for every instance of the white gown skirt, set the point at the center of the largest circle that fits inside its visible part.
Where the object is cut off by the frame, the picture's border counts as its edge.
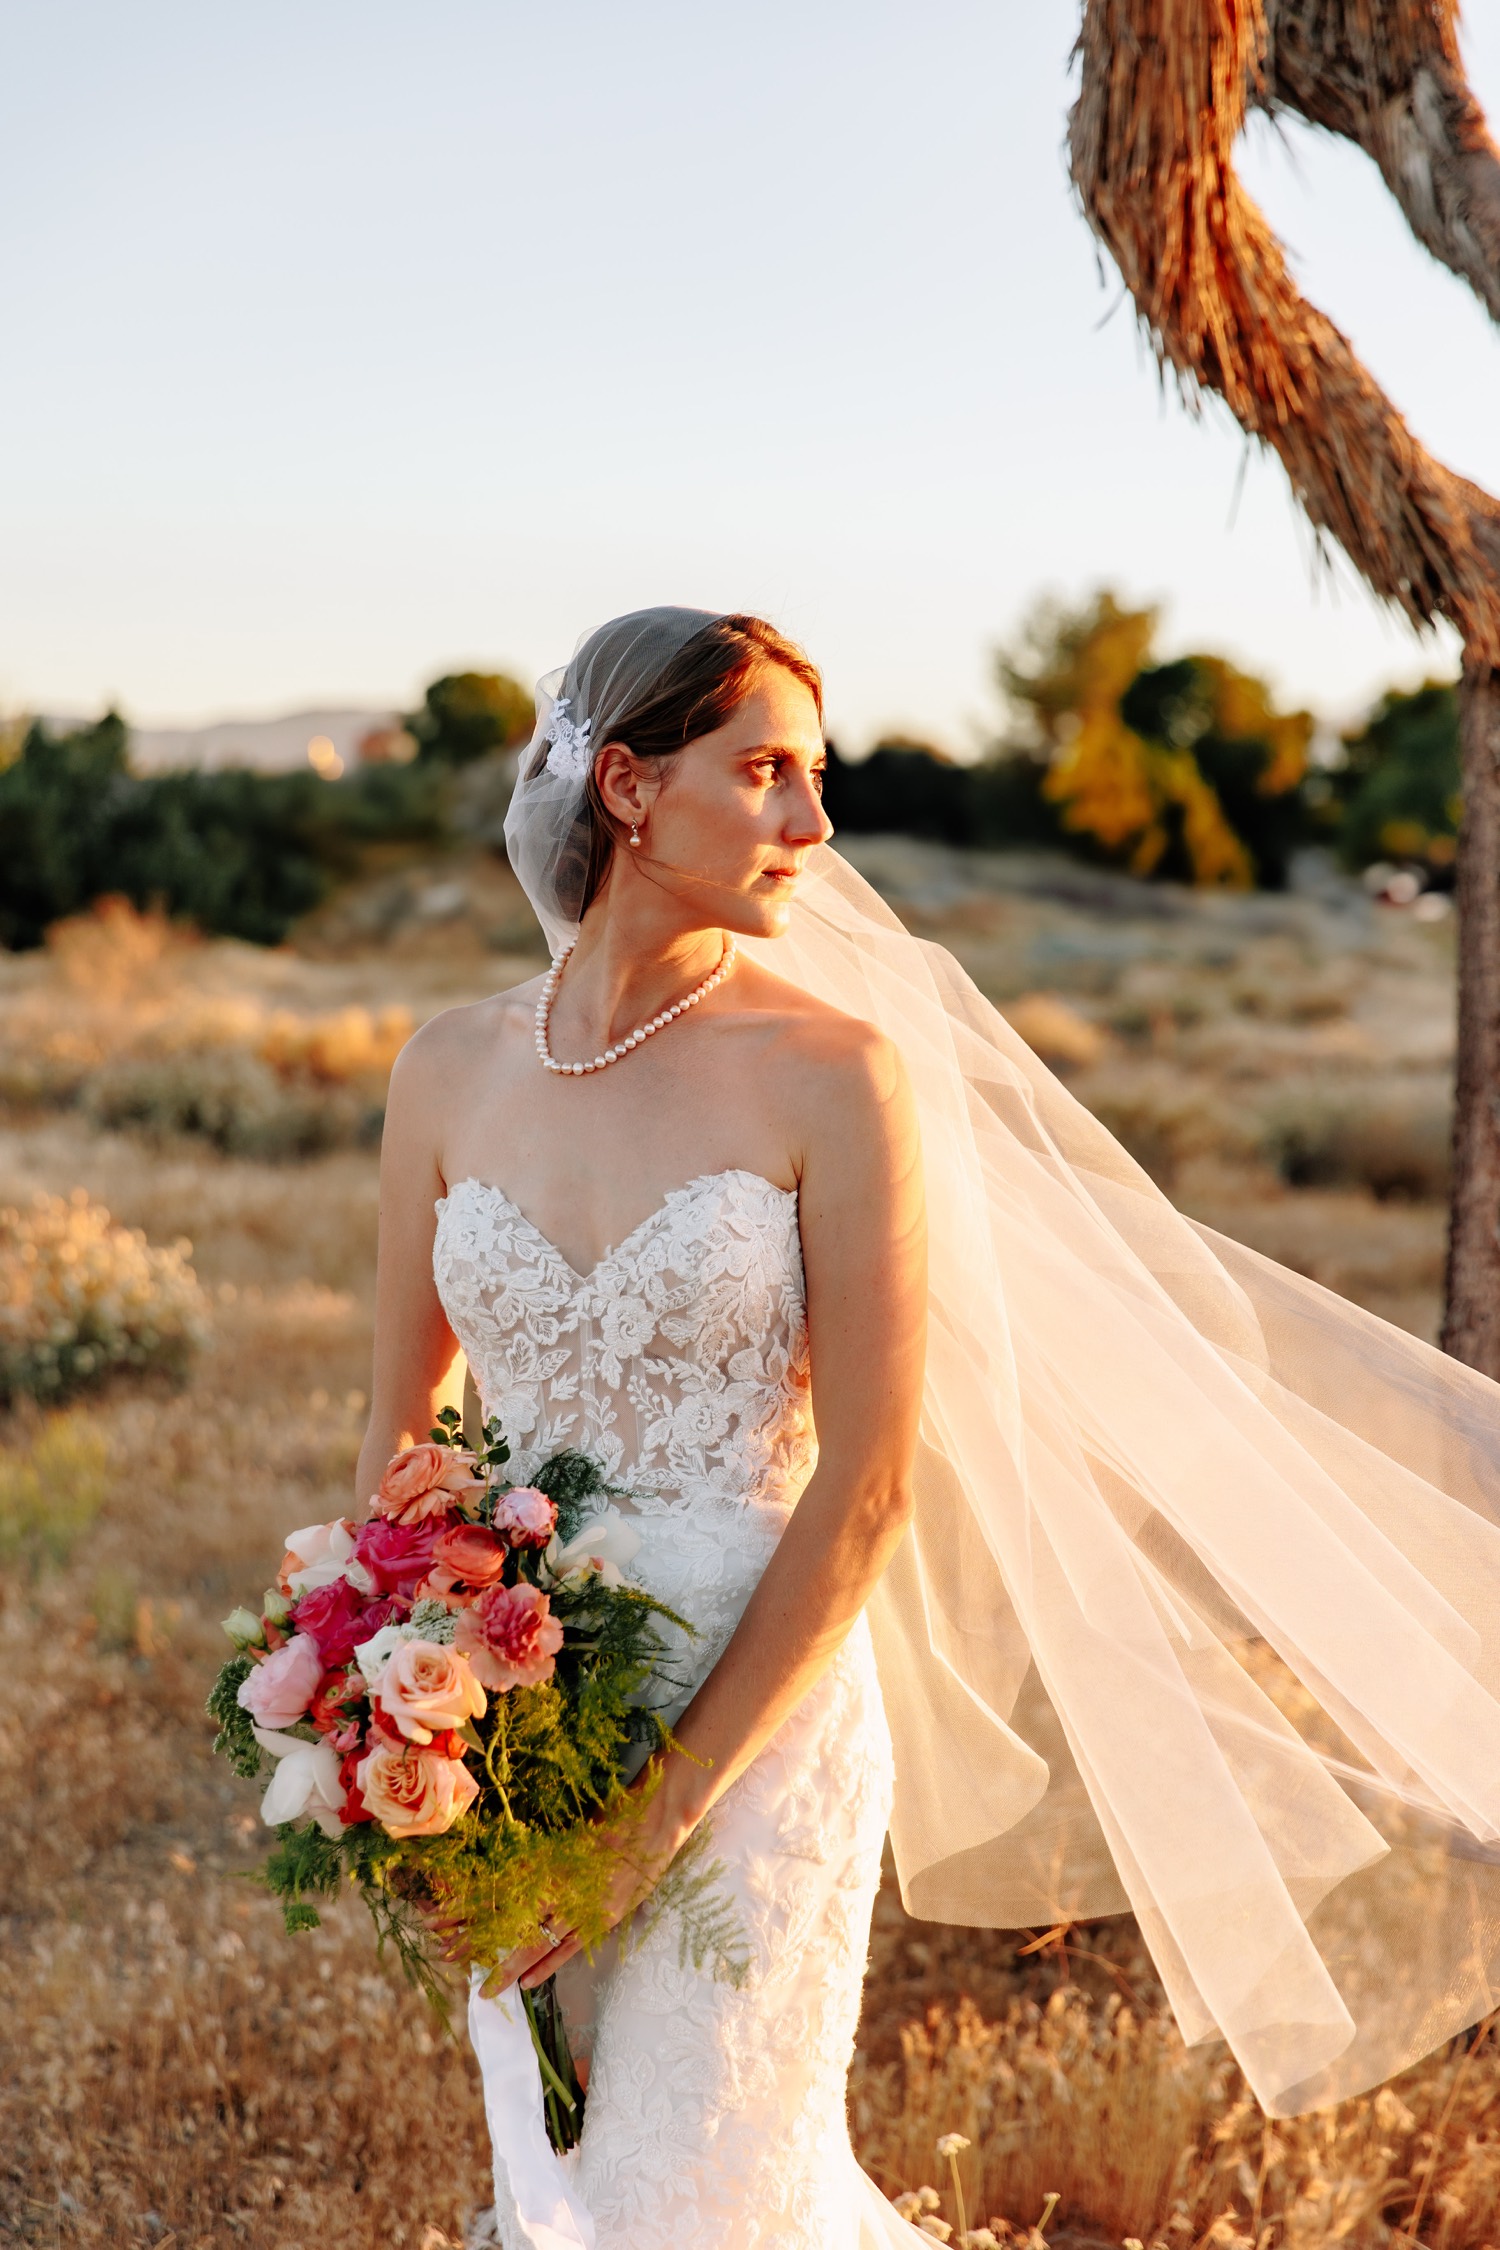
(715, 2117)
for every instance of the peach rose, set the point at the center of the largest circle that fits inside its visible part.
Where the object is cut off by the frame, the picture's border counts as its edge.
(283, 1684)
(424, 1689)
(412, 1792)
(425, 1480)
(468, 1554)
(510, 1636)
(525, 1516)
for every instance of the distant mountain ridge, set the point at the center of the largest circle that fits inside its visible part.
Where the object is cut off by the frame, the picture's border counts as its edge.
(275, 745)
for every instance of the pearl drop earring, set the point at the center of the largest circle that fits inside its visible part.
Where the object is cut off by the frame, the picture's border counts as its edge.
(635, 837)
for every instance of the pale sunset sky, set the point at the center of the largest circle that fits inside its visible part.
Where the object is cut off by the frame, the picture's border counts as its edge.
(352, 342)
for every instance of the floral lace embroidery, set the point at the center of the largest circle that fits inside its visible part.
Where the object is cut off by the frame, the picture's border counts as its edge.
(680, 1361)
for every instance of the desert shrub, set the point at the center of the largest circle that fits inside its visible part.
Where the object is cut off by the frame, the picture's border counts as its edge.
(1327, 1135)
(233, 1099)
(1056, 1033)
(1103, 2112)
(123, 1030)
(1163, 1119)
(82, 1298)
(51, 1488)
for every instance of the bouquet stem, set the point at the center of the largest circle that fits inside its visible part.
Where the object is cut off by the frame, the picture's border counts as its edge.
(562, 2094)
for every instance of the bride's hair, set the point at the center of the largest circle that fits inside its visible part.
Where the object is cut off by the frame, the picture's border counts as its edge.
(696, 691)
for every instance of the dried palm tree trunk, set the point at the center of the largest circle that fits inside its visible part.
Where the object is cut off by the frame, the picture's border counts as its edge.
(1165, 88)
(1390, 79)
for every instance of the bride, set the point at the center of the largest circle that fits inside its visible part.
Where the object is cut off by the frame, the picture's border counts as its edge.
(1124, 1570)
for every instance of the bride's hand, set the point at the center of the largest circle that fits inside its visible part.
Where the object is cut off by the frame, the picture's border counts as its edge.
(646, 1850)
(450, 1930)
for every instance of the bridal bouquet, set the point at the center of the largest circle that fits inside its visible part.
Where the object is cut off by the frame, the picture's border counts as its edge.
(449, 1698)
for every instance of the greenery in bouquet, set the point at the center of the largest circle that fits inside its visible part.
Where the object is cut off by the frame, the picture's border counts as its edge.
(453, 1697)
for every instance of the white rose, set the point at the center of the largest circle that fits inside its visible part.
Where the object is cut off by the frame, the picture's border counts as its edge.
(316, 1555)
(306, 1780)
(597, 1549)
(373, 1655)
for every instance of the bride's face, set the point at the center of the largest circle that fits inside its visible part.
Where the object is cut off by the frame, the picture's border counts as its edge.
(730, 819)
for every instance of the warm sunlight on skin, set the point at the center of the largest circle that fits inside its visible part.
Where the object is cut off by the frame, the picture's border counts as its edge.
(725, 825)
(761, 1078)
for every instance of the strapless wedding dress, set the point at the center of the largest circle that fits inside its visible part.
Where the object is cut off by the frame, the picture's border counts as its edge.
(715, 2117)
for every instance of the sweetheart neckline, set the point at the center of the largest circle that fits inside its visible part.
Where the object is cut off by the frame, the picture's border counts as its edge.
(699, 1179)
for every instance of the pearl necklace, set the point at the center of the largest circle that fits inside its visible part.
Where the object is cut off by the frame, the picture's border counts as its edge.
(634, 1038)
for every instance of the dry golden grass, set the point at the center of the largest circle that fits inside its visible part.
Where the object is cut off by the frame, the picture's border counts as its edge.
(179, 2072)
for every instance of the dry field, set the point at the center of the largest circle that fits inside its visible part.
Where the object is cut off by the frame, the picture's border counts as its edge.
(176, 2071)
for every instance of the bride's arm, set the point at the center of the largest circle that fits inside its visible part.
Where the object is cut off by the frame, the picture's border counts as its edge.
(414, 1346)
(864, 1250)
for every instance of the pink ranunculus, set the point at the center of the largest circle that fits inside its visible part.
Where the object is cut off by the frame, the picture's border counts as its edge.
(510, 1636)
(425, 1689)
(424, 1481)
(412, 1791)
(282, 1685)
(468, 1554)
(525, 1516)
(398, 1556)
(329, 1613)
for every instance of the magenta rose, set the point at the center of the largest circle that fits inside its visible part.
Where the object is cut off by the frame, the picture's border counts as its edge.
(510, 1636)
(525, 1516)
(281, 1687)
(389, 1610)
(330, 1613)
(398, 1556)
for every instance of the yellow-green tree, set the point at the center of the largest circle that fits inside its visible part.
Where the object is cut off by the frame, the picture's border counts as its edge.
(1185, 768)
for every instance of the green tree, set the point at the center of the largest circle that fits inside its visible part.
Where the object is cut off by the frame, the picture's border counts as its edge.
(57, 799)
(1400, 789)
(466, 715)
(239, 853)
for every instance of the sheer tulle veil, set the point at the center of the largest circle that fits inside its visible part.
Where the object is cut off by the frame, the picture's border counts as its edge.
(1199, 1615)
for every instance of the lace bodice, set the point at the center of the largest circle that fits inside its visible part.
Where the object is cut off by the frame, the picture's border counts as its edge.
(679, 1361)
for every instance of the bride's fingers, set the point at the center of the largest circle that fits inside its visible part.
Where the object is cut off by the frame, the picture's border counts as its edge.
(517, 1969)
(550, 1963)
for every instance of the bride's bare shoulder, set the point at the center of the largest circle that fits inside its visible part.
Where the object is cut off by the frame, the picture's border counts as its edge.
(472, 1029)
(845, 1057)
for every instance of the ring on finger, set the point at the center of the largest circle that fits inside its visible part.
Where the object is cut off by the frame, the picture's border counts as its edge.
(552, 1936)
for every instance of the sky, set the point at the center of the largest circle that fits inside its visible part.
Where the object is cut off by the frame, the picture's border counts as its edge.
(352, 342)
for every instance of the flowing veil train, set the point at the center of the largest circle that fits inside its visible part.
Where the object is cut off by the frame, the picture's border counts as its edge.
(1200, 1611)
(1199, 1614)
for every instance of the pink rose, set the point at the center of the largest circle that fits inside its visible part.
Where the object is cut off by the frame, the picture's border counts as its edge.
(425, 1480)
(426, 1689)
(398, 1556)
(510, 1637)
(525, 1516)
(468, 1554)
(282, 1685)
(412, 1792)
